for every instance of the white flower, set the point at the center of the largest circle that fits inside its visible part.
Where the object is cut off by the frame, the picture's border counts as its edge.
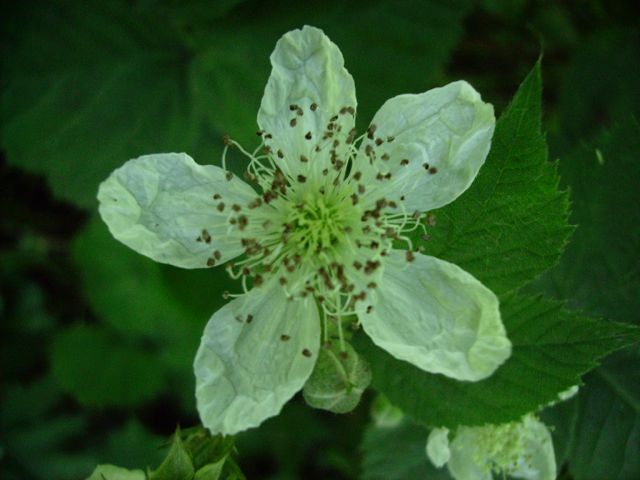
(320, 239)
(522, 449)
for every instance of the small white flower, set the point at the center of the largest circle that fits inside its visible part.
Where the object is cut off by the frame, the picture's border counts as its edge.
(321, 238)
(522, 449)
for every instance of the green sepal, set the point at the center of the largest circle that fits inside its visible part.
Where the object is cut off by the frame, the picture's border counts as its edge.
(338, 379)
(178, 464)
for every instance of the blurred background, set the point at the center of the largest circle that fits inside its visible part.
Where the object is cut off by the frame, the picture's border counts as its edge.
(97, 342)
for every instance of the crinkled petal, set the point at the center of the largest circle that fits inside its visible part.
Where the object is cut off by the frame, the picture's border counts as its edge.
(539, 461)
(438, 449)
(464, 463)
(438, 317)
(162, 206)
(433, 144)
(256, 353)
(308, 104)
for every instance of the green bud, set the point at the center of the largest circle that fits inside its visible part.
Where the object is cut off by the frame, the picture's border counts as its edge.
(212, 471)
(384, 414)
(338, 379)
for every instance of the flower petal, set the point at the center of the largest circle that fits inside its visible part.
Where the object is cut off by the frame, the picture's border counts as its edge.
(256, 353)
(162, 206)
(438, 317)
(308, 87)
(438, 449)
(539, 462)
(465, 462)
(433, 144)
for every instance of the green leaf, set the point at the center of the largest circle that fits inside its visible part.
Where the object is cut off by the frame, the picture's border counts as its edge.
(177, 465)
(552, 348)
(211, 471)
(606, 434)
(99, 370)
(600, 272)
(511, 225)
(397, 453)
(92, 85)
(338, 379)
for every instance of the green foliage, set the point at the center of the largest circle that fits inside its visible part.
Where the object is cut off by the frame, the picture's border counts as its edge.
(511, 225)
(102, 370)
(338, 379)
(599, 433)
(551, 349)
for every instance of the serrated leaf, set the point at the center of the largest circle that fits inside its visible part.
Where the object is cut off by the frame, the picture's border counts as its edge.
(552, 348)
(397, 453)
(100, 370)
(511, 225)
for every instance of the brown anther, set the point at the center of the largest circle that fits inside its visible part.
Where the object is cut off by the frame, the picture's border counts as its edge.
(228, 176)
(216, 196)
(370, 309)
(390, 139)
(361, 189)
(284, 337)
(371, 285)
(268, 136)
(280, 154)
(282, 281)
(220, 207)
(235, 207)
(293, 122)
(211, 262)
(217, 255)
(308, 136)
(357, 176)
(433, 170)
(306, 352)
(314, 106)
(379, 141)
(303, 159)
(302, 178)
(354, 199)
(226, 139)
(404, 162)
(249, 318)
(370, 131)
(293, 107)
(259, 133)
(410, 256)
(385, 157)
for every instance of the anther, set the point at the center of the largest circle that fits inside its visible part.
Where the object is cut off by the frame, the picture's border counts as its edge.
(220, 207)
(284, 337)
(302, 178)
(433, 170)
(404, 162)
(293, 122)
(226, 139)
(306, 352)
(314, 106)
(228, 176)
(308, 136)
(216, 196)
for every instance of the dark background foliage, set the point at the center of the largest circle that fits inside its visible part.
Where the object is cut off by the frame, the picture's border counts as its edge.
(96, 341)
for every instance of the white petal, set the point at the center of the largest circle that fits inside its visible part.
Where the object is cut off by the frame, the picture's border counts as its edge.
(438, 446)
(444, 134)
(160, 204)
(247, 370)
(540, 460)
(438, 317)
(465, 463)
(308, 72)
